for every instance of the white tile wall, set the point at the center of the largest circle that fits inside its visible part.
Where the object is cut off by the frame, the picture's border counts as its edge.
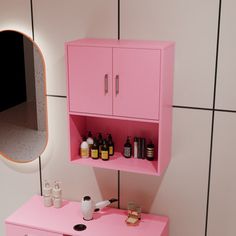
(181, 193)
(59, 21)
(18, 181)
(55, 23)
(192, 25)
(222, 210)
(226, 82)
(77, 181)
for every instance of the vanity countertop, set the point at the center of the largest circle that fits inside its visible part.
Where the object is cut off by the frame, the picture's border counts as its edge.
(34, 215)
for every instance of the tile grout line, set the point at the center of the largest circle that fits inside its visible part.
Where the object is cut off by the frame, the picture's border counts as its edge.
(40, 176)
(32, 18)
(57, 96)
(213, 121)
(118, 172)
(204, 109)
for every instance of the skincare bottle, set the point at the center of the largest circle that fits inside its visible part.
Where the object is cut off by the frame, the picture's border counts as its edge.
(139, 147)
(150, 151)
(110, 145)
(127, 148)
(100, 143)
(135, 147)
(84, 148)
(105, 151)
(94, 150)
(143, 148)
(56, 193)
(90, 141)
(47, 191)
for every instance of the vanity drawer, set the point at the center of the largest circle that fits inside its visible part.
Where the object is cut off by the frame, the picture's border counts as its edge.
(15, 230)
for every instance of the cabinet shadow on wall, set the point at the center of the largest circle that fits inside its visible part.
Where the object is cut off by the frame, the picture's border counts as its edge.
(139, 188)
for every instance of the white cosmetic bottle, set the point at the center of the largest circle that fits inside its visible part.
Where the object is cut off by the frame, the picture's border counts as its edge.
(56, 193)
(84, 148)
(47, 191)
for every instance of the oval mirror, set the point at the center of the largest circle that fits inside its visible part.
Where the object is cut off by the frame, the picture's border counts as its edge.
(23, 113)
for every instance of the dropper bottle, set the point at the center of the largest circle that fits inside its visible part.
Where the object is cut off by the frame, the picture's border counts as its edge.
(127, 148)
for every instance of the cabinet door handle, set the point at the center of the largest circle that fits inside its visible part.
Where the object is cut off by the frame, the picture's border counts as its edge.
(117, 84)
(106, 84)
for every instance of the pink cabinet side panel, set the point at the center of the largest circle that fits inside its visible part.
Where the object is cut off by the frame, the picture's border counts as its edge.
(136, 75)
(90, 79)
(166, 230)
(165, 129)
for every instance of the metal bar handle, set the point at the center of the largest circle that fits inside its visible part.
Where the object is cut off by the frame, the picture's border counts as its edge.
(106, 84)
(117, 85)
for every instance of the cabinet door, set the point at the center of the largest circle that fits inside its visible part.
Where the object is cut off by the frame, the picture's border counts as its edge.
(90, 79)
(15, 230)
(136, 74)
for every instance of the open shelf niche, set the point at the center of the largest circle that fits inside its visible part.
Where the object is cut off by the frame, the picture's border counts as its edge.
(119, 129)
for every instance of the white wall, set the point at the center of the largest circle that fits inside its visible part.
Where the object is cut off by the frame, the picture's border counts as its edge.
(181, 193)
(18, 182)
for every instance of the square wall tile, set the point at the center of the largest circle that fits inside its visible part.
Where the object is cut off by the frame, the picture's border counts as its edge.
(56, 22)
(16, 15)
(222, 208)
(226, 82)
(181, 193)
(19, 182)
(193, 26)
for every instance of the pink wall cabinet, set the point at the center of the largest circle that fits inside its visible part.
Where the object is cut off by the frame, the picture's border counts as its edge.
(33, 219)
(122, 87)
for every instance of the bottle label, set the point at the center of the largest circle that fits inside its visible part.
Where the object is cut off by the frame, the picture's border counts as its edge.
(94, 153)
(105, 155)
(84, 152)
(127, 151)
(111, 150)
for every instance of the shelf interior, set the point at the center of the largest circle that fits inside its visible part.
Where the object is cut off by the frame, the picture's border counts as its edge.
(119, 129)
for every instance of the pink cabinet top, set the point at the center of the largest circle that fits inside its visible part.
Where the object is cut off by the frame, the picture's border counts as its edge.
(109, 221)
(122, 43)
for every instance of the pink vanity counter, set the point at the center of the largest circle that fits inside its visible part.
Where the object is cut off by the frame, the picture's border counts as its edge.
(33, 219)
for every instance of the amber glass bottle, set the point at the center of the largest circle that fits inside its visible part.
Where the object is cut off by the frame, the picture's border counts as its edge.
(110, 145)
(127, 148)
(100, 143)
(105, 151)
(95, 149)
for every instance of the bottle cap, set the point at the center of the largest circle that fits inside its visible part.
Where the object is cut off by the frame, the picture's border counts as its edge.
(109, 137)
(150, 145)
(99, 136)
